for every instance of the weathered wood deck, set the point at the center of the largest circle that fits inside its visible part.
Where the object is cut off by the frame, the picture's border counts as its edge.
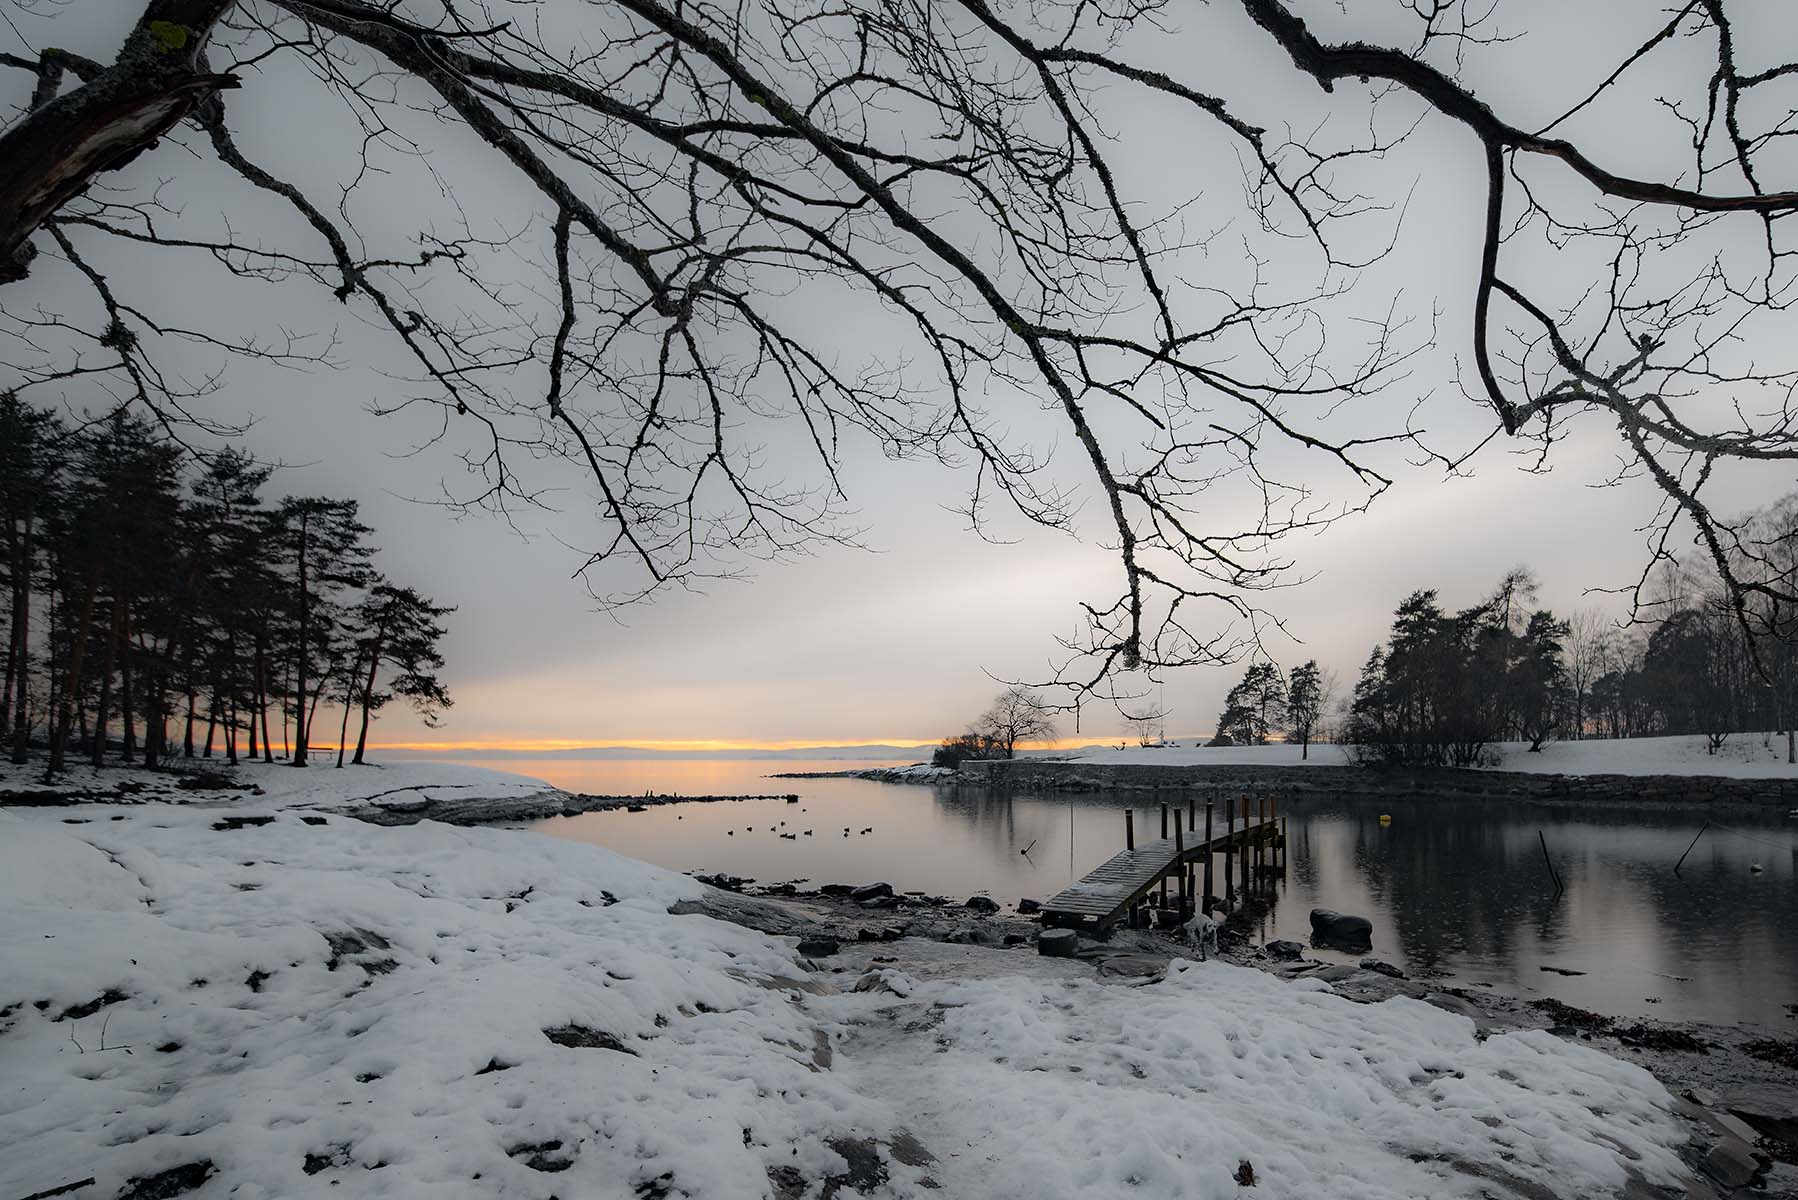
(1107, 894)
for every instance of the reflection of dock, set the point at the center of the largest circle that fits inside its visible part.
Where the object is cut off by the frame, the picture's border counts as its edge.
(1122, 887)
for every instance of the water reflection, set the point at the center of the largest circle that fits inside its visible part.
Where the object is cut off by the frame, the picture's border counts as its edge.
(1456, 886)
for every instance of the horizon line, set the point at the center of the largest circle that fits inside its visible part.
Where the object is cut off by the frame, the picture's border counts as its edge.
(708, 745)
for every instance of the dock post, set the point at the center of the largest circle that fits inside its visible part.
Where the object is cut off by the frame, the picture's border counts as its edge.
(1229, 851)
(1180, 860)
(1192, 813)
(1284, 843)
(1261, 844)
(1129, 829)
(1275, 840)
(1205, 896)
(1164, 820)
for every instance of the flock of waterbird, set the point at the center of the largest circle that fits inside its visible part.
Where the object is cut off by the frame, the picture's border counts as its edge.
(793, 836)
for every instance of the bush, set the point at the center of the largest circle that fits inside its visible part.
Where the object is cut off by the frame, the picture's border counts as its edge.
(959, 749)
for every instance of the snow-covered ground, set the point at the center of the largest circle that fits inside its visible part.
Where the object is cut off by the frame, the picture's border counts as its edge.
(1744, 756)
(315, 1006)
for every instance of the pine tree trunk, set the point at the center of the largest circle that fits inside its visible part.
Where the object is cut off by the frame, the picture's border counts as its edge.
(255, 694)
(301, 651)
(349, 693)
(127, 731)
(103, 711)
(368, 691)
(64, 716)
(187, 742)
(21, 630)
(231, 733)
(212, 722)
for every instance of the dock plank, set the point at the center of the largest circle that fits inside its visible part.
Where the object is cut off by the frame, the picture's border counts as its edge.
(1106, 892)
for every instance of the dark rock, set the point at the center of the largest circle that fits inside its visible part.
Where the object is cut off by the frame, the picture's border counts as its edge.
(886, 901)
(1644, 1036)
(1015, 939)
(968, 935)
(1245, 1174)
(1382, 968)
(313, 820)
(1338, 929)
(208, 781)
(581, 1037)
(1058, 943)
(1732, 1163)
(542, 1156)
(818, 947)
(1455, 1004)
(892, 933)
(835, 889)
(1026, 907)
(1284, 950)
(865, 1172)
(241, 822)
(81, 1012)
(983, 904)
(166, 1184)
(864, 934)
(870, 891)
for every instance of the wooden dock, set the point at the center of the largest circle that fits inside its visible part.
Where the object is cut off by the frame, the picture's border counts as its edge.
(1123, 886)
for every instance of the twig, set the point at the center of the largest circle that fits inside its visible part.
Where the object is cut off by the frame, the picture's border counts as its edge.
(1682, 858)
(1551, 866)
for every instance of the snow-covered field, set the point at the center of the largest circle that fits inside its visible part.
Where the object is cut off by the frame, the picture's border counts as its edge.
(1744, 756)
(315, 1006)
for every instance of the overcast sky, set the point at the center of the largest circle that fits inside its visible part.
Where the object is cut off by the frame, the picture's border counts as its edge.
(899, 642)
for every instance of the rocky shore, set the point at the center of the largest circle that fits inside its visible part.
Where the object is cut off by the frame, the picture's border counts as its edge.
(1661, 790)
(1737, 1087)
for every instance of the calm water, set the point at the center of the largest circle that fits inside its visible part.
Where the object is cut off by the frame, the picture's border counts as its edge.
(1454, 886)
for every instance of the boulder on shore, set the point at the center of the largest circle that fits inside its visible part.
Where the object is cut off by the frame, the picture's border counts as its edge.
(1058, 943)
(1340, 929)
(1284, 950)
(871, 891)
(983, 904)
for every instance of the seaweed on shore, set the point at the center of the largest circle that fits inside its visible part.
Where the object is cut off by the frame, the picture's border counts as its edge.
(1779, 1051)
(1577, 1018)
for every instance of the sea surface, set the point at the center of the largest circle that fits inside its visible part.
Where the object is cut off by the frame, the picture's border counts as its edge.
(1450, 885)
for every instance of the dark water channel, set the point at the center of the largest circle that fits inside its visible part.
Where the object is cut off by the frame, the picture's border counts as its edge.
(1452, 886)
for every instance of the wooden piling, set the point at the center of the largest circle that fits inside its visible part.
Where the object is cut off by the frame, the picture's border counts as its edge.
(1261, 842)
(1205, 895)
(1192, 814)
(1164, 820)
(1129, 829)
(1229, 851)
(1180, 858)
(1285, 843)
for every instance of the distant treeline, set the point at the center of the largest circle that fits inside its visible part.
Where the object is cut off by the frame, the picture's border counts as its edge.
(1445, 685)
(153, 597)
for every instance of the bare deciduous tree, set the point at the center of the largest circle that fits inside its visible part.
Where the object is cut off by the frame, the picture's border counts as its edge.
(670, 186)
(1017, 715)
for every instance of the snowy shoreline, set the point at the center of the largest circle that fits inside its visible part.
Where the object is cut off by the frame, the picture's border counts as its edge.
(215, 992)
